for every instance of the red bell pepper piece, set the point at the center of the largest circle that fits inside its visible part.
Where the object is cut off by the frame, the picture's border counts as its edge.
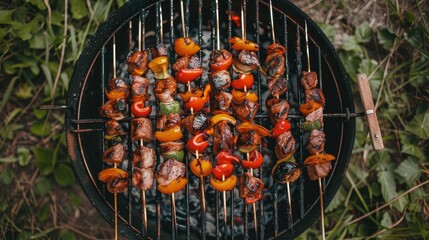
(198, 143)
(224, 157)
(196, 103)
(282, 126)
(243, 80)
(255, 160)
(188, 75)
(223, 170)
(252, 199)
(139, 110)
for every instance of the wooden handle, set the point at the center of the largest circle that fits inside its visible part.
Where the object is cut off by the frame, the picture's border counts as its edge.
(371, 114)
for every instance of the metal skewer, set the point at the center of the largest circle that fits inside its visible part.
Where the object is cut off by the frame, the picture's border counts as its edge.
(115, 195)
(144, 212)
(322, 214)
(255, 220)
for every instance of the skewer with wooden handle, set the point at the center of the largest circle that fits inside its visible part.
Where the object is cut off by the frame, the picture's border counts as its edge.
(370, 112)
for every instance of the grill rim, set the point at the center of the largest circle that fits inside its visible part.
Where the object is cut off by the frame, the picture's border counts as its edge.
(120, 17)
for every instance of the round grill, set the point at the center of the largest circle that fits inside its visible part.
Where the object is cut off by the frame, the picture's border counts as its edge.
(85, 128)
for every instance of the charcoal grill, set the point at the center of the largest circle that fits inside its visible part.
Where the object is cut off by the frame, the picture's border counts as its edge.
(85, 128)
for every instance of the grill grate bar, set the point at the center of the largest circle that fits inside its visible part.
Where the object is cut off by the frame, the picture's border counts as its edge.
(130, 143)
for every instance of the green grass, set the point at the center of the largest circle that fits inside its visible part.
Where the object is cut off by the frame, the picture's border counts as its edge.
(384, 194)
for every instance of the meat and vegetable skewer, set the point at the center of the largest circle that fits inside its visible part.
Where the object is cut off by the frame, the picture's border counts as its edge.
(116, 108)
(319, 163)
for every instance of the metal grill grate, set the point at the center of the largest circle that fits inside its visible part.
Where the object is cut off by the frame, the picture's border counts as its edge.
(86, 129)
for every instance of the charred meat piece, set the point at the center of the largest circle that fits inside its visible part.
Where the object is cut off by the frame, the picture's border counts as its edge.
(286, 171)
(219, 57)
(219, 80)
(181, 63)
(113, 127)
(139, 86)
(316, 142)
(196, 122)
(165, 122)
(141, 129)
(277, 85)
(223, 139)
(118, 185)
(245, 111)
(161, 50)
(137, 62)
(250, 185)
(194, 62)
(115, 109)
(285, 145)
(220, 102)
(319, 170)
(275, 64)
(315, 94)
(115, 154)
(118, 83)
(170, 170)
(276, 48)
(309, 80)
(171, 146)
(144, 157)
(278, 109)
(143, 178)
(248, 141)
(315, 115)
(165, 90)
(245, 61)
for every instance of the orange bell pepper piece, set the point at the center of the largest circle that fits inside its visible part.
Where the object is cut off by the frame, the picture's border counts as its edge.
(318, 159)
(186, 47)
(239, 96)
(226, 185)
(245, 127)
(201, 167)
(174, 186)
(221, 117)
(159, 67)
(309, 107)
(242, 44)
(169, 135)
(111, 174)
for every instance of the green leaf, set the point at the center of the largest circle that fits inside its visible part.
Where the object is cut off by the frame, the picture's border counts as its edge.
(412, 150)
(38, 3)
(375, 75)
(409, 170)
(44, 160)
(328, 29)
(42, 186)
(386, 38)
(419, 126)
(351, 45)
(24, 91)
(78, 9)
(12, 115)
(64, 175)
(387, 220)
(67, 235)
(39, 114)
(388, 185)
(351, 63)
(338, 200)
(26, 30)
(43, 214)
(6, 16)
(41, 128)
(363, 33)
(38, 41)
(24, 156)
(414, 37)
(7, 175)
(7, 93)
(10, 159)
(75, 199)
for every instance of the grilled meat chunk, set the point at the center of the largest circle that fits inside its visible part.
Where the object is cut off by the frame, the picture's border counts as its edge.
(194, 62)
(139, 86)
(137, 62)
(315, 94)
(144, 157)
(316, 142)
(113, 127)
(118, 83)
(165, 90)
(220, 102)
(315, 115)
(250, 186)
(245, 111)
(141, 129)
(115, 109)
(165, 122)
(195, 123)
(277, 85)
(248, 141)
(245, 61)
(275, 64)
(143, 178)
(114, 154)
(171, 146)
(118, 185)
(309, 80)
(278, 109)
(170, 170)
(219, 80)
(285, 145)
(223, 139)
(190, 62)
(161, 50)
(219, 57)
(319, 170)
